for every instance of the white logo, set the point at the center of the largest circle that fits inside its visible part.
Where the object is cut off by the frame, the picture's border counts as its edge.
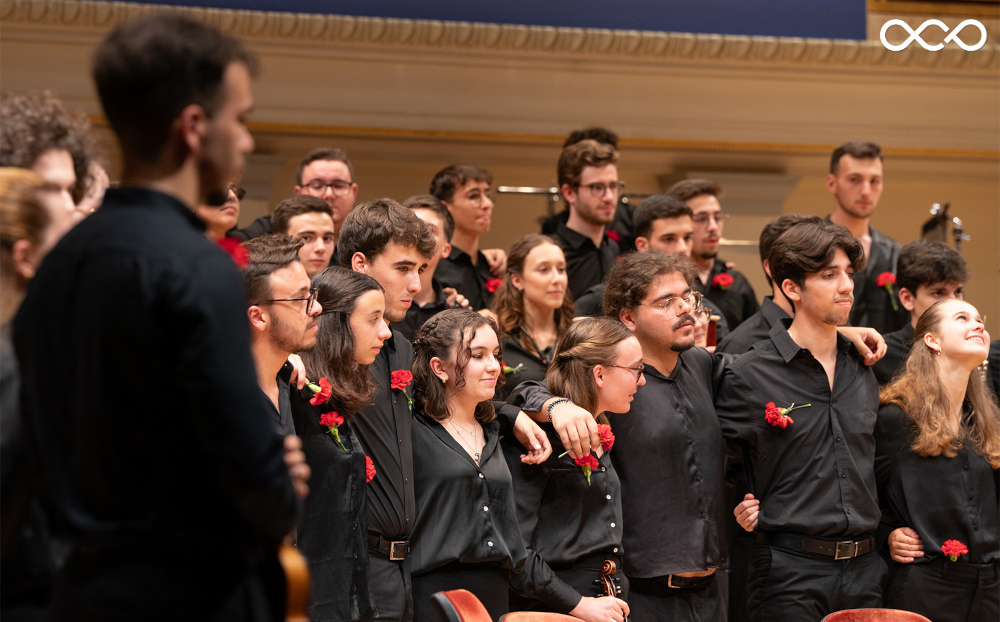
(933, 22)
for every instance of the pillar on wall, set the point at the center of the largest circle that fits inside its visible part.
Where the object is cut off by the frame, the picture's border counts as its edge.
(258, 176)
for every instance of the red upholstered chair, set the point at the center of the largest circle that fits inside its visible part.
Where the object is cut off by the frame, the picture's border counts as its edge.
(536, 616)
(874, 615)
(460, 606)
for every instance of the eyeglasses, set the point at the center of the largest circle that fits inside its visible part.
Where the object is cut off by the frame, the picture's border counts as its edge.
(667, 304)
(637, 370)
(311, 299)
(239, 192)
(597, 190)
(702, 218)
(476, 200)
(339, 186)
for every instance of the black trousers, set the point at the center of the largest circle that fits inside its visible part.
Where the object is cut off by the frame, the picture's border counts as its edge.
(488, 582)
(652, 600)
(945, 591)
(584, 577)
(390, 589)
(792, 586)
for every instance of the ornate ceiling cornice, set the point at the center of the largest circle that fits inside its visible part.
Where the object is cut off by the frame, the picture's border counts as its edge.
(622, 45)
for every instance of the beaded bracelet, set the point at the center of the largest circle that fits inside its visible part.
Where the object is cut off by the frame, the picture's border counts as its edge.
(556, 402)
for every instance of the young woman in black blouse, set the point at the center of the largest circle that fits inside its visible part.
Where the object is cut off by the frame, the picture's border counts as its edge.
(332, 534)
(465, 533)
(571, 522)
(533, 308)
(937, 461)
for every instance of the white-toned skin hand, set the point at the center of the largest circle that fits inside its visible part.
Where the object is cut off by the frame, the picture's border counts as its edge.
(298, 377)
(603, 609)
(868, 341)
(533, 438)
(576, 428)
(453, 299)
(746, 512)
(905, 545)
(295, 460)
(497, 260)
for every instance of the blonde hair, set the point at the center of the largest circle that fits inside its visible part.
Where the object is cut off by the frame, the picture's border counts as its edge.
(918, 392)
(22, 215)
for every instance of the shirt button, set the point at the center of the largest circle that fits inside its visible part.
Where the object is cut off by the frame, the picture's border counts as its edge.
(490, 543)
(970, 497)
(603, 469)
(703, 515)
(486, 508)
(612, 524)
(848, 511)
(616, 549)
(838, 439)
(609, 496)
(966, 467)
(844, 475)
(481, 476)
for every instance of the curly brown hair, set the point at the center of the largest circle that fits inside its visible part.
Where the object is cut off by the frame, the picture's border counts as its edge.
(918, 392)
(450, 331)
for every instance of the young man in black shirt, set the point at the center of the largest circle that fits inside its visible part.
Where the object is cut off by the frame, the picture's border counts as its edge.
(814, 505)
(163, 462)
(311, 220)
(925, 273)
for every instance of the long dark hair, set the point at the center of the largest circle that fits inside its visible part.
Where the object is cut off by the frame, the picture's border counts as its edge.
(917, 390)
(508, 303)
(450, 329)
(333, 355)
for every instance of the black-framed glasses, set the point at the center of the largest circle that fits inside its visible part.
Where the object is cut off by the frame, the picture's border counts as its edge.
(339, 186)
(637, 370)
(238, 191)
(310, 299)
(703, 218)
(667, 304)
(597, 190)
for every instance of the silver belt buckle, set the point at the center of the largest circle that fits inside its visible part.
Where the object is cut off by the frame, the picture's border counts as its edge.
(393, 554)
(849, 550)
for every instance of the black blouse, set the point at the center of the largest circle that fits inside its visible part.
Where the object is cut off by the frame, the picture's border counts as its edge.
(465, 511)
(939, 498)
(562, 518)
(533, 367)
(333, 531)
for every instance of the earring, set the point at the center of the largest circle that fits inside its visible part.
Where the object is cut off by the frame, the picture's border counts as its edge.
(27, 272)
(444, 380)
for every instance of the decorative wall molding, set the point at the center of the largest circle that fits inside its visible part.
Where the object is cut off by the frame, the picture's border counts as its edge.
(513, 39)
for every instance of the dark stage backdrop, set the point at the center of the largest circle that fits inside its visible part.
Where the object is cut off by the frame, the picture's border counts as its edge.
(832, 19)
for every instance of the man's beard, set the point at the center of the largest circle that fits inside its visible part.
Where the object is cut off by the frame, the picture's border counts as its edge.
(287, 339)
(679, 347)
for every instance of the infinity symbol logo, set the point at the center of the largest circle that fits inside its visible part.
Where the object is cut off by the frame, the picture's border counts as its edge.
(915, 36)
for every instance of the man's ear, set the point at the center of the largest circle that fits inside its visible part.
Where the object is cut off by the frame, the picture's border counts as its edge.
(359, 263)
(192, 124)
(767, 267)
(569, 194)
(831, 183)
(446, 250)
(627, 316)
(642, 244)
(258, 317)
(907, 299)
(791, 290)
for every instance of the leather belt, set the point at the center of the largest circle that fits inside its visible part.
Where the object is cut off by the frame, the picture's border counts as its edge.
(844, 549)
(689, 583)
(395, 550)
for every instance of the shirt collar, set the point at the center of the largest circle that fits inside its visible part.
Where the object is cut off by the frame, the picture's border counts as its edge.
(575, 239)
(771, 311)
(787, 347)
(135, 197)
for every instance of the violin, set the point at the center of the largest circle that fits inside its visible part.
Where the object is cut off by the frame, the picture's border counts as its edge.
(608, 585)
(297, 582)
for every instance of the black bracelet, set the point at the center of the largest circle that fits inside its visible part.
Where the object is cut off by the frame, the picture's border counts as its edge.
(553, 404)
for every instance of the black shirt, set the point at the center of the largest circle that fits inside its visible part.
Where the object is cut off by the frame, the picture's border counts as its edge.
(898, 346)
(332, 534)
(416, 315)
(939, 498)
(256, 229)
(993, 367)
(456, 270)
(755, 328)
(586, 264)
(670, 456)
(873, 304)
(137, 372)
(465, 511)
(737, 301)
(815, 477)
(526, 360)
(282, 415)
(563, 519)
(383, 428)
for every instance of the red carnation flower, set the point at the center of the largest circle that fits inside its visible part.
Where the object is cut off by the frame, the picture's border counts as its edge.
(492, 285)
(607, 438)
(613, 235)
(369, 469)
(953, 549)
(236, 250)
(887, 280)
(587, 464)
(778, 417)
(400, 378)
(722, 280)
(322, 391)
(332, 421)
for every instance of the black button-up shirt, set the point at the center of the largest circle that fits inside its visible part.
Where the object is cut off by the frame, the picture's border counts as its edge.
(737, 302)
(755, 328)
(815, 477)
(138, 378)
(563, 519)
(457, 270)
(332, 534)
(416, 315)
(465, 511)
(939, 498)
(532, 367)
(586, 264)
(873, 304)
(898, 346)
(383, 428)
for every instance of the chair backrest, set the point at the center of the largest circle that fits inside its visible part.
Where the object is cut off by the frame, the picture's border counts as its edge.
(536, 616)
(460, 606)
(874, 615)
